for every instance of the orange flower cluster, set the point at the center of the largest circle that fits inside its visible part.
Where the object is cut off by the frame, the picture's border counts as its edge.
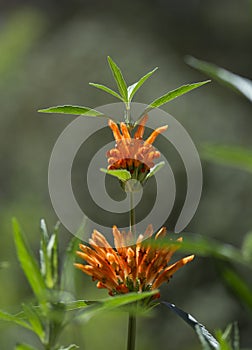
(129, 268)
(133, 154)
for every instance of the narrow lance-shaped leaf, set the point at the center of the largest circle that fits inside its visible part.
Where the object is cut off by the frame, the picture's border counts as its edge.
(236, 156)
(52, 253)
(202, 246)
(35, 321)
(171, 95)
(28, 263)
(121, 174)
(238, 285)
(234, 81)
(4, 316)
(107, 304)
(75, 110)
(44, 260)
(122, 87)
(107, 89)
(189, 319)
(132, 89)
(155, 169)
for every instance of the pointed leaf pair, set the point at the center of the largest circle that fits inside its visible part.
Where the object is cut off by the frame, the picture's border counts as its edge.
(127, 93)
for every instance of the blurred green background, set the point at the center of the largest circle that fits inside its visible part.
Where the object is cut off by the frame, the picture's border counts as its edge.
(50, 50)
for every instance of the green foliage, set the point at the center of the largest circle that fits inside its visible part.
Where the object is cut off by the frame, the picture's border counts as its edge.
(68, 109)
(236, 156)
(207, 339)
(124, 94)
(121, 84)
(121, 174)
(4, 316)
(32, 315)
(107, 89)
(155, 169)
(233, 81)
(229, 339)
(171, 95)
(238, 286)
(132, 89)
(49, 255)
(67, 275)
(28, 263)
(24, 347)
(53, 311)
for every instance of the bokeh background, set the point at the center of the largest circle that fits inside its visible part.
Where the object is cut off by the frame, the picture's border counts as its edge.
(50, 51)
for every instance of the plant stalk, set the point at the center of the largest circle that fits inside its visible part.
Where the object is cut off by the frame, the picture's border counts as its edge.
(131, 332)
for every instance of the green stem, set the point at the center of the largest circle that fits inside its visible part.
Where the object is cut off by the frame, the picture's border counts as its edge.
(127, 113)
(131, 332)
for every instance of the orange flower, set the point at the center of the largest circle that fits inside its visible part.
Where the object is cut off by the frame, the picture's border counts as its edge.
(133, 154)
(129, 268)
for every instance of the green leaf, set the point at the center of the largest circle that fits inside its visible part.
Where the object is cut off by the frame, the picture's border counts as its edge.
(28, 263)
(107, 89)
(122, 87)
(4, 316)
(236, 156)
(24, 347)
(49, 255)
(76, 305)
(69, 347)
(171, 95)
(155, 169)
(198, 327)
(108, 304)
(52, 253)
(132, 89)
(34, 319)
(121, 174)
(198, 244)
(76, 110)
(238, 285)
(44, 261)
(234, 81)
